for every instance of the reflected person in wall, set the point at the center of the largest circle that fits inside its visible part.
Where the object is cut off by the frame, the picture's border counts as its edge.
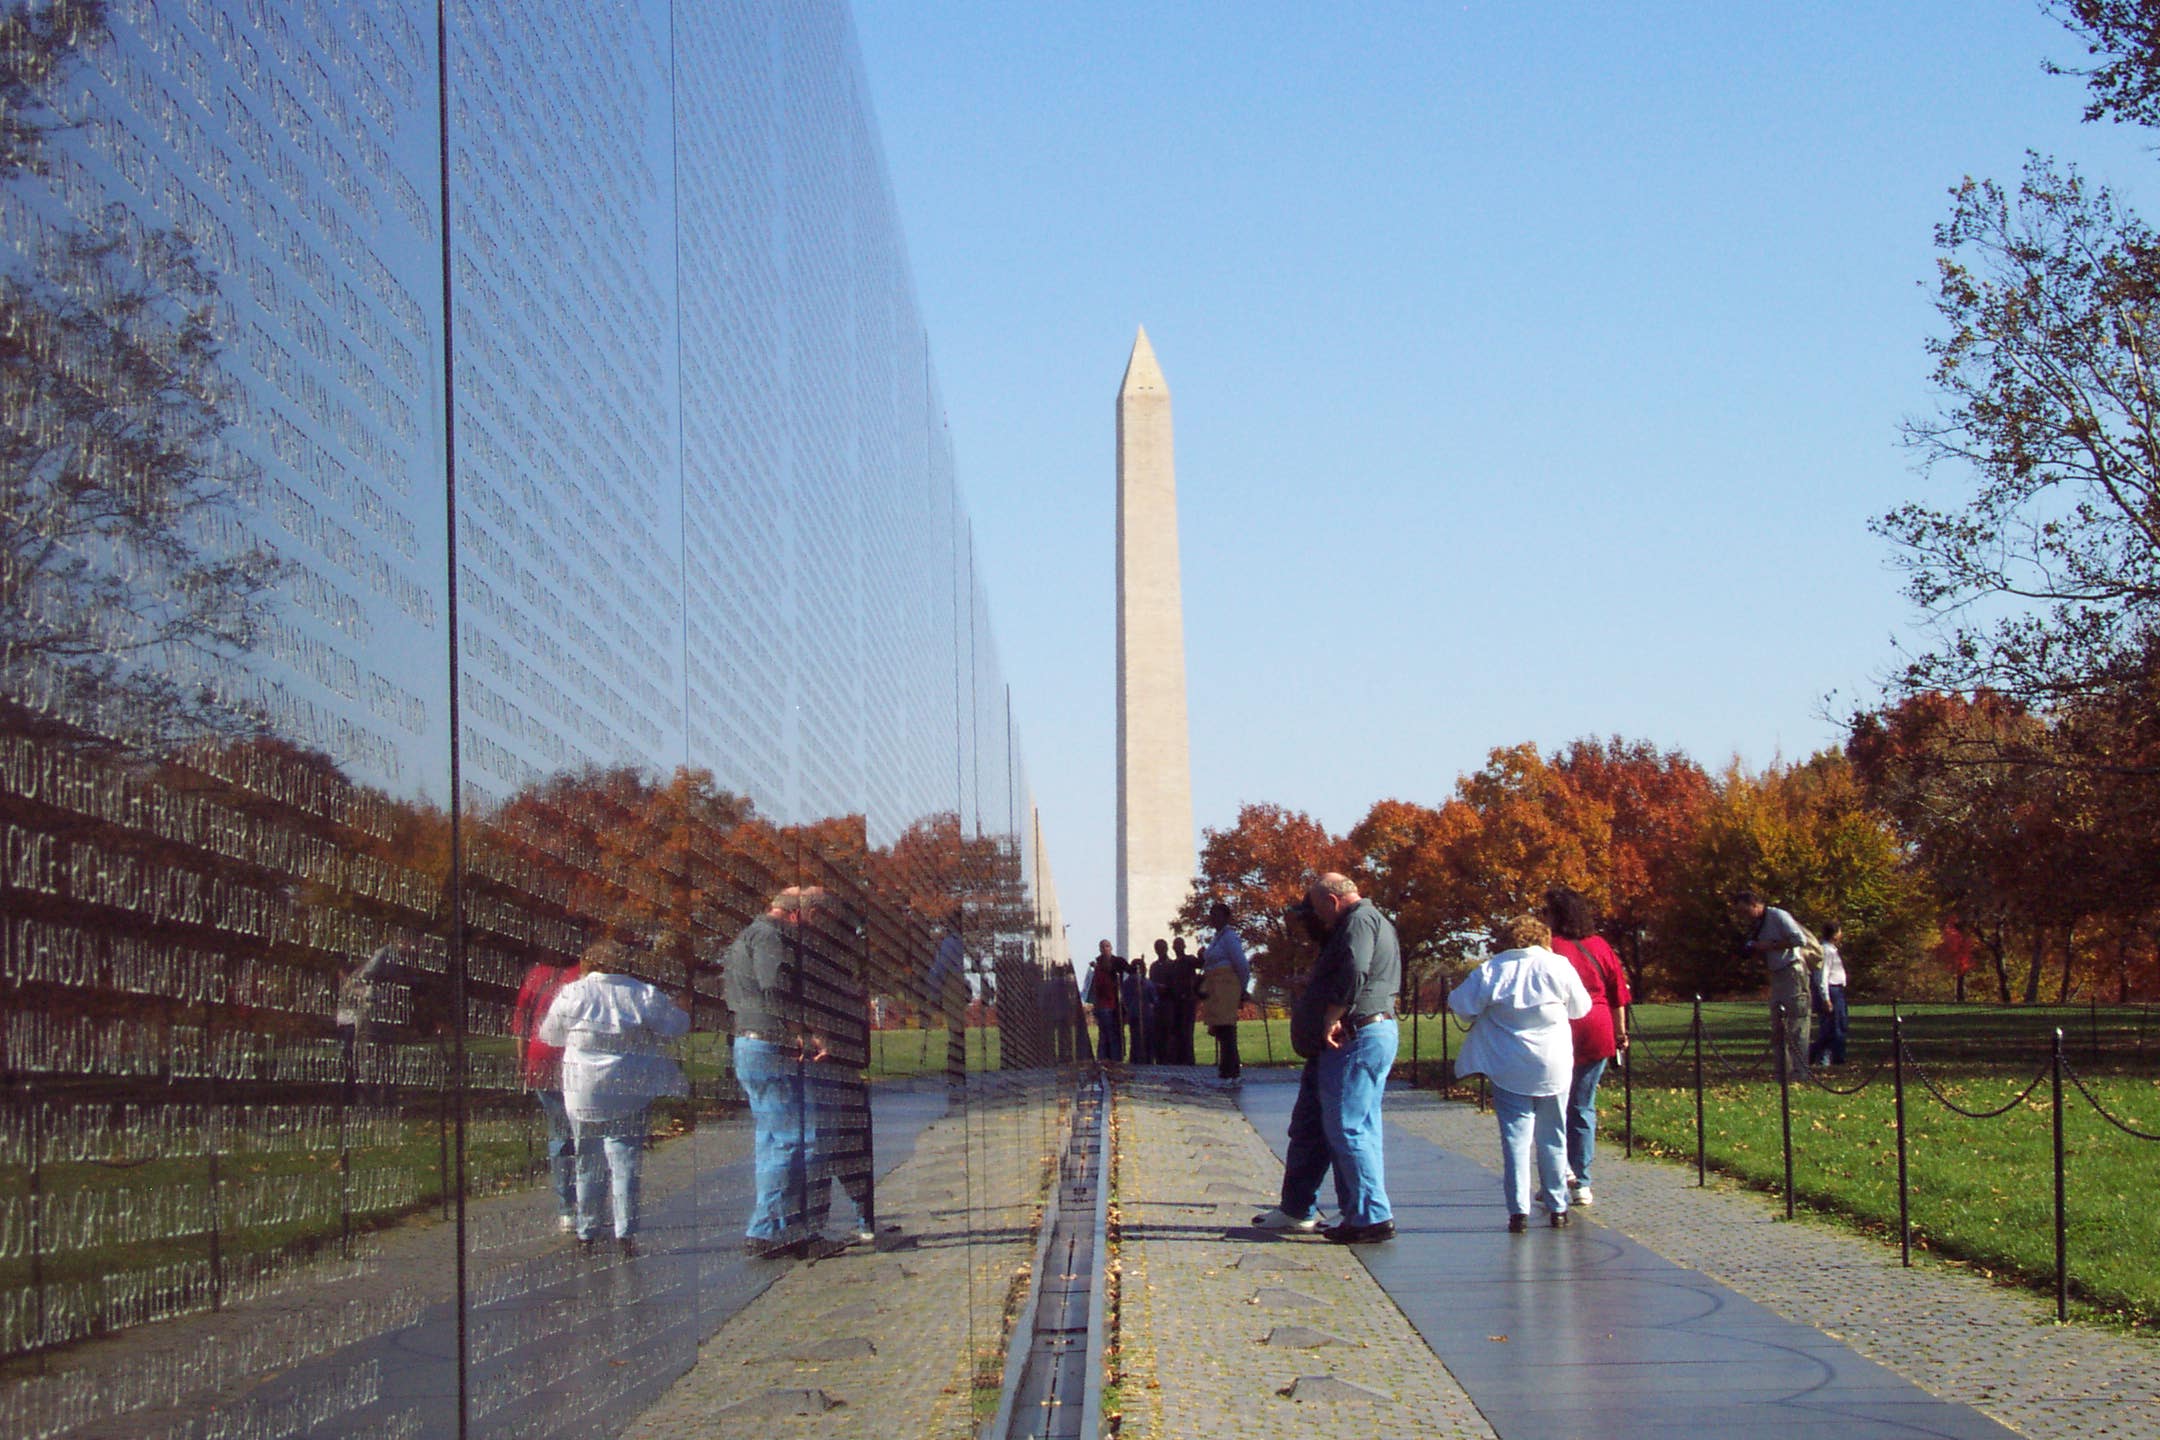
(1137, 1000)
(1183, 1004)
(945, 994)
(540, 1071)
(764, 990)
(836, 1048)
(613, 1029)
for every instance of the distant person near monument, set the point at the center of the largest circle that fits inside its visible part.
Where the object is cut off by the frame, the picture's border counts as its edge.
(1105, 998)
(1224, 978)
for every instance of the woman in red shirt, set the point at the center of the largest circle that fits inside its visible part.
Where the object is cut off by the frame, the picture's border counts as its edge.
(540, 1071)
(1600, 1035)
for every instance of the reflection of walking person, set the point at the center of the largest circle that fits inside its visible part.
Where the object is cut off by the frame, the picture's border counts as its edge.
(836, 1055)
(945, 992)
(540, 1071)
(612, 1028)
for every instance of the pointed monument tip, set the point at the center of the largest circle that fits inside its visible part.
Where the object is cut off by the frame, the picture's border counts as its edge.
(1142, 372)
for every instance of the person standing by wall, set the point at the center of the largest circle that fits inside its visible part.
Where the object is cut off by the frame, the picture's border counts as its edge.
(1225, 976)
(1106, 998)
(1346, 1019)
(1598, 1036)
(1137, 1000)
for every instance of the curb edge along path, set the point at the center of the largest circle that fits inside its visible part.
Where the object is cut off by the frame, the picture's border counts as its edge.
(1956, 1335)
(1200, 1294)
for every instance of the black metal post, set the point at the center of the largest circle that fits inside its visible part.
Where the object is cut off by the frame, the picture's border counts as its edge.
(1447, 1069)
(2093, 1002)
(1702, 1166)
(2062, 1268)
(1627, 1087)
(1897, 1088)
(1413, 1037)
(1784, 1085)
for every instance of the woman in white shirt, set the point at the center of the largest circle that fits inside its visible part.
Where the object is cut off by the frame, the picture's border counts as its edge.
(611, 1028)
(1522, 1000)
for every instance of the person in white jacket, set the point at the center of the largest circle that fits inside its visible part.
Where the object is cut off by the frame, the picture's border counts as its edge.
(1522, 1000)
(612, 1029)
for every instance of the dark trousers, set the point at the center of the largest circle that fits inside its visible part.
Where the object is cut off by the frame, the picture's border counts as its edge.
(1181, 1032)
(1109, 1034)
(1227, 1064)
(1831, 1024)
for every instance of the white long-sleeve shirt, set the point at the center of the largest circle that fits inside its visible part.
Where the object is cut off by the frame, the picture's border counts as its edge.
(1522, 1001)
(611, 1029)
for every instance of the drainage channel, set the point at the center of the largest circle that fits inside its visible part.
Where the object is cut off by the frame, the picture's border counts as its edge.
(1053, 1368)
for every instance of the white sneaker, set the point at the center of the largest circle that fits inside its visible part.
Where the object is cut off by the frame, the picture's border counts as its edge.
(1278, 1219)
(1583, 1196)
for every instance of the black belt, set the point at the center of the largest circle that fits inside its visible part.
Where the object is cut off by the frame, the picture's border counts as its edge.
(1359, 1022)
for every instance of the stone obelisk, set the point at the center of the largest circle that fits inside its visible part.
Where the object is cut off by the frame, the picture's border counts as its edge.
(1154, 820)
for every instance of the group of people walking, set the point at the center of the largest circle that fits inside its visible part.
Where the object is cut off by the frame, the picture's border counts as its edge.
(1145, 1012)
(1549, 1014)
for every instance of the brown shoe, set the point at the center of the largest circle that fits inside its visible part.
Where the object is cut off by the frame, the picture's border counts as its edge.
(1561, 1219)
(1518, 1224)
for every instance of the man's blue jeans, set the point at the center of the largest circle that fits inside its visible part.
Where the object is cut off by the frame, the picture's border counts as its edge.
(1582, 1117)
(1336, 1124)
(610, 1155)
(784, 1129)
(561, 1150)
(1527, 1120)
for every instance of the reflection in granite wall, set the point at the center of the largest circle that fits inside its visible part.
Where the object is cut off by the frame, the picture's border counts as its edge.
(514, 861)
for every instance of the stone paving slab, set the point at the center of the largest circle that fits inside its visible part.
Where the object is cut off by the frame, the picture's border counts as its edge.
(1952, 1333)
(1201, 1295)
(875, 1344)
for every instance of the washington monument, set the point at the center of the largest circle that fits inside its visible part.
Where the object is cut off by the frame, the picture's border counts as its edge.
(1154, 808)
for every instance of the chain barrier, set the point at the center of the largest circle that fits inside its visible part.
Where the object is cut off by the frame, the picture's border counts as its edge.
(1936, 1090)
(2093, 1100)
(1766, 1070)
(1882, 1063)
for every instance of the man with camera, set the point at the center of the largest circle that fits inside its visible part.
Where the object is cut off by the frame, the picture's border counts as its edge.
(1775, 938)
(1344, 1023)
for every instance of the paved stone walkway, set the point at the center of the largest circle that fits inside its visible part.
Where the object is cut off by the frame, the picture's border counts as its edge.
(1953, 1334)
(1227, 1333)
(876, 1344)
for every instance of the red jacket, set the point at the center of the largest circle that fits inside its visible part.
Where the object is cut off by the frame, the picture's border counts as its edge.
(541, 1065)
(1602, 976)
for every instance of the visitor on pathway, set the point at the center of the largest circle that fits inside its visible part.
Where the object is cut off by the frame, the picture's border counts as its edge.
(1136, 998)
(540, 1071)
(1160, 1015)
(1183, 1004)
(765, 990)
(1520, 1002)
(1106, 995)
(1346, 1018)
(1829, 1001)
(1223, 982)
(1775, 938)
(1599, 1035)
(612, 1029)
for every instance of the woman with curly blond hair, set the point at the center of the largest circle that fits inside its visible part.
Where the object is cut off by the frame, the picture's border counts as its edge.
(1521, 1001)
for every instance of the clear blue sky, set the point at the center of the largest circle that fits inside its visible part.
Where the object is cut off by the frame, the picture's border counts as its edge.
(1536, 366)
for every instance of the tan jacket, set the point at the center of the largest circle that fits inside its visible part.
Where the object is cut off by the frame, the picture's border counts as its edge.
(1219, 996)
